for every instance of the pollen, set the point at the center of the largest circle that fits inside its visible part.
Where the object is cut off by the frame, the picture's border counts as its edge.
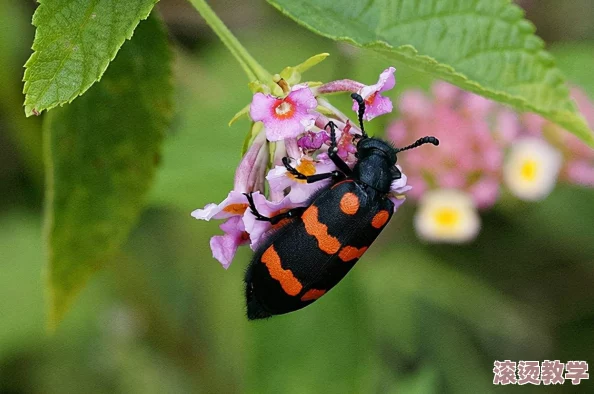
(306, 167)
(369, 100)
(236, 209)
(284, 109)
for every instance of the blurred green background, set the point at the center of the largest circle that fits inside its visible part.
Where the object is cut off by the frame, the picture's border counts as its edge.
(164, 317)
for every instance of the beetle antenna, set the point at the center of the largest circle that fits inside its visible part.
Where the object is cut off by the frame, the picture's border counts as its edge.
(357, 97)
(419, 142)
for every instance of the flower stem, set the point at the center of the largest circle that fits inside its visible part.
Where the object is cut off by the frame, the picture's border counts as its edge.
(251, 67)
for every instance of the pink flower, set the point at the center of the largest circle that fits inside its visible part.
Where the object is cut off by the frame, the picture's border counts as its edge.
(259, 229)
(225, 246)
(578, 158)
(313, 141)
(234, 204)
(232, 208)
(469, 157)
(285, 117)
(300, 133)
(250, 173)
(376, 104)
(397, 188)
(280, 179)
(345, 145)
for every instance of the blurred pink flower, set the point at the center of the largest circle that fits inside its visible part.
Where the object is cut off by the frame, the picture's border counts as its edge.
(469, 158)
(578, 158)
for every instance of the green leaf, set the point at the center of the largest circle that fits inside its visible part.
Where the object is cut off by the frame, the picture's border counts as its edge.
(74, 43)
(101, 155)
(483, 46)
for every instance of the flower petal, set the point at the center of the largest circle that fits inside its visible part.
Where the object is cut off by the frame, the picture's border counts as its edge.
(235, 204)
(259, 229)
(447, 216)
(261, 106)
(225, 246)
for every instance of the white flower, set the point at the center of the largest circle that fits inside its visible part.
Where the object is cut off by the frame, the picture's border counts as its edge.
(531, 169)
(447, 215)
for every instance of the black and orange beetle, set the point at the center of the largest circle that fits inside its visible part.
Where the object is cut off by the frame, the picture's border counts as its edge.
(318, 244)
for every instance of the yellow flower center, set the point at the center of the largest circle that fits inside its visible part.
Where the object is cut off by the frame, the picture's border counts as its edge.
(529, 170)
(306, 167)
(447, 217)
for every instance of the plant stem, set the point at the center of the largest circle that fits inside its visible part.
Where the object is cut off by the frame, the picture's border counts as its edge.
(251, 67)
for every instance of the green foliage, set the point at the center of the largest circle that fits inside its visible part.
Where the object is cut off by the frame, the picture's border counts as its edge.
(102, 152)
(577, 62)
(74, 43)
(20, 241)
(287, 344)
(484, 46)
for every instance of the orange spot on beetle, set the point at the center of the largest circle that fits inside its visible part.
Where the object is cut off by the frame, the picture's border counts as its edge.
(312, 294)
(349, 253)
(236, 209)
(349, 204)
(380, 219)
(287, 280)
(327, 243)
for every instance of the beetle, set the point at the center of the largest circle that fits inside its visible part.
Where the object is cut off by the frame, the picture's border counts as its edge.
(316, 245)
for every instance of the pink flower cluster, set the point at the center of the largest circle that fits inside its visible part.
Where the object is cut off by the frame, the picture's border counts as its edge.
(296, 123)
(578, 158)
(485, 146)
(470, 155)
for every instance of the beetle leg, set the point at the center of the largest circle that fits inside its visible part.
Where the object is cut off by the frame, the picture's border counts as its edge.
(335, 175)
(333, 151)
(292, 213)
(292, 169)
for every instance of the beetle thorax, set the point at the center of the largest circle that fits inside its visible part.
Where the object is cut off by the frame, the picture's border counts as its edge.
(374, 167)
